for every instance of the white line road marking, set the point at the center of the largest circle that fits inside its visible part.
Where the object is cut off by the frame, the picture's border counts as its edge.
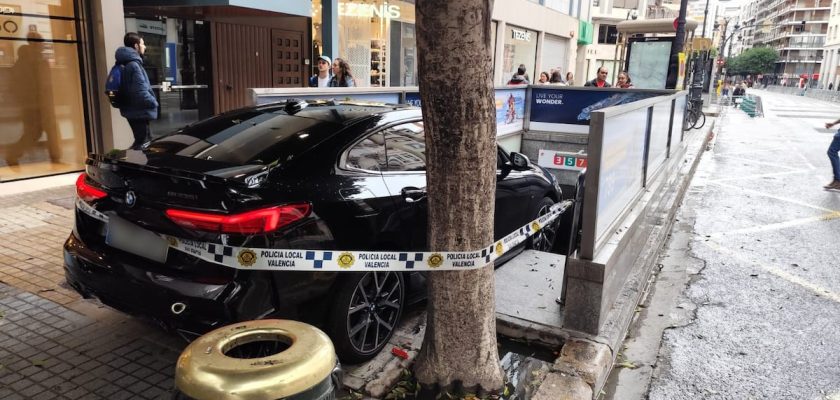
(823, 292)
(792, 201)
(737, 178)
(754, 151)
(770, 164)
(780, 225)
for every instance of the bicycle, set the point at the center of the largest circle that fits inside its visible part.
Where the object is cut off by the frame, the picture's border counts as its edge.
(695, 118)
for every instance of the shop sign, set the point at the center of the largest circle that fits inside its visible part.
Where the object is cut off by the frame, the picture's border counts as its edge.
(562, 160)
(9, 22)
(153, 27)
(521, 35)
(385, 10)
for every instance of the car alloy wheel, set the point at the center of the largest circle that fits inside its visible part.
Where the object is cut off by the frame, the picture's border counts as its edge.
(543, 240)
(365, 314)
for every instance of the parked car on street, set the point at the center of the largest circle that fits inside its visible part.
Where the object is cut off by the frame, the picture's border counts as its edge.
(295, 175)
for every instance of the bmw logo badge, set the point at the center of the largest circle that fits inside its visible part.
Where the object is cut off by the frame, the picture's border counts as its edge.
(130, 198)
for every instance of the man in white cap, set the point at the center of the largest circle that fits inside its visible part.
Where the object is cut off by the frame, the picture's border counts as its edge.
(322, 79)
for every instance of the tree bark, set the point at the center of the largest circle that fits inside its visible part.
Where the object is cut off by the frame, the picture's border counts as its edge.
(456, 88)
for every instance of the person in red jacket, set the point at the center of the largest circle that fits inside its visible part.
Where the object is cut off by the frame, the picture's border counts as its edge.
(600, 80)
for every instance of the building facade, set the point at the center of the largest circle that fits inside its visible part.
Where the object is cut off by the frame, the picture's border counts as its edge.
(203, 56)
(797, 29)
(606, 14)
(830, 68)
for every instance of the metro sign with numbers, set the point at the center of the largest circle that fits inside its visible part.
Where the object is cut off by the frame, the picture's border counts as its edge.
(562, 160)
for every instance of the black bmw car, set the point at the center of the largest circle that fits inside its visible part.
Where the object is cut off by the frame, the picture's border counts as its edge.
(296, 175)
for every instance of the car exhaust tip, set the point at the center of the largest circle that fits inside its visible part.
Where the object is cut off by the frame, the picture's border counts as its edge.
(178, 308)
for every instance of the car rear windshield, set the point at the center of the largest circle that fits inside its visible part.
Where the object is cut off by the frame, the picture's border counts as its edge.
(247, 138)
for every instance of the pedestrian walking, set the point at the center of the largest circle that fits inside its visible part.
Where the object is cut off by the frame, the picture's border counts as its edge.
(833, 158)
(624, 81)
(520, 78)
(557, 79)
(600, 80)
(342, 76)
(544, 78)
(738, 95)
(138, 104)
(831, 86)
(324, 75)
(570, 78)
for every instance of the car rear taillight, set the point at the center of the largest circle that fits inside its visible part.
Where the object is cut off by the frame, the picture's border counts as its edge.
(251, 222)
(87, 192)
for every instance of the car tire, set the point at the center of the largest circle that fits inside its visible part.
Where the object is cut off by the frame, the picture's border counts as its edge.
(366, 312)
(543, 240)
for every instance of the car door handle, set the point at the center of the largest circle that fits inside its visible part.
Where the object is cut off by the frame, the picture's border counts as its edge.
(412, 194)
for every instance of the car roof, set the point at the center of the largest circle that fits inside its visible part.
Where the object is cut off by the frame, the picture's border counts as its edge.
(343, 112)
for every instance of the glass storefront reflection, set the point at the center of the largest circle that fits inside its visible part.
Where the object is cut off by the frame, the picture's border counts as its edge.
(376, 37)
(41, 113)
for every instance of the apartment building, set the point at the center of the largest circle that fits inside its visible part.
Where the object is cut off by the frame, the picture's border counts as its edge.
(606, 14)
(797, 29)
(829, 68)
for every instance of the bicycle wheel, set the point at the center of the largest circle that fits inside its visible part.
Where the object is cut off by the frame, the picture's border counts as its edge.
(700, 120)
(690, 118)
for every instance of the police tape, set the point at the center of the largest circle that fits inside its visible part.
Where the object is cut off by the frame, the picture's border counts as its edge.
(250, 258)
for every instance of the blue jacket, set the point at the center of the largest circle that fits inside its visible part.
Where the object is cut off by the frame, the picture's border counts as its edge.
(140, 102)
(348, 82)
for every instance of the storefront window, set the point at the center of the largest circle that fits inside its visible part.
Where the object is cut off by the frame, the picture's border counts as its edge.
(520, 49)
(42, 127)
(376, 38)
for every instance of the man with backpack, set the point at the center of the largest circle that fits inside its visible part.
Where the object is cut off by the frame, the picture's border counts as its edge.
(129, 89)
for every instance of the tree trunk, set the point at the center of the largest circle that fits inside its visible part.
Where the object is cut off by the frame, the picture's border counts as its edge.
(456, 88)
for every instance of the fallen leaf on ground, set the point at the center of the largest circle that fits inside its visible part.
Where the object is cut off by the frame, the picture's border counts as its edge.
(627, 364)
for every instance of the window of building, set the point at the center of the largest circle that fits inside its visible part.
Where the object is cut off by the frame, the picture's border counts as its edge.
(520, 49)
(43, 131)
(626, 3)
(564, 6)
(376, 38)
(607, 34)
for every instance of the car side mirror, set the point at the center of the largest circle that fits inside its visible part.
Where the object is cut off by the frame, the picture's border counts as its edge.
(519, 160)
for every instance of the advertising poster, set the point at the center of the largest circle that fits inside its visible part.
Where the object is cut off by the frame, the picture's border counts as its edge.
(681, 74)
(569, 110)
(648, 62)
(510, 110)
(412, 99)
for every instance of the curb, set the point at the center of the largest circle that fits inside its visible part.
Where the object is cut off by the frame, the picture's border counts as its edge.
(585, 363)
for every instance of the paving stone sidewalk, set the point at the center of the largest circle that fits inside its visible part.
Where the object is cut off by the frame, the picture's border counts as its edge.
(53, 343)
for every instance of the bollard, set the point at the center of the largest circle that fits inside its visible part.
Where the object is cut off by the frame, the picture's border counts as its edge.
(259, 360)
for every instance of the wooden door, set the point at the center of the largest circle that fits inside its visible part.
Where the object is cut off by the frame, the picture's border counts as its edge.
(287, 59)
(241, 60)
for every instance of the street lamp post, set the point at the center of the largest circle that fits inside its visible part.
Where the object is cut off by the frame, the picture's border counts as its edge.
(724, 39)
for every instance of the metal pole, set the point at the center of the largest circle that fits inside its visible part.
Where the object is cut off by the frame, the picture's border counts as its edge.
(678, 46)
(705, 18)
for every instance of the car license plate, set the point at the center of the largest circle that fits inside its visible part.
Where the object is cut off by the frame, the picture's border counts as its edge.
(122, 234)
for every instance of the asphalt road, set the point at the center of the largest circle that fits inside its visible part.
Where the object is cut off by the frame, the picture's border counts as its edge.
(746, 302)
